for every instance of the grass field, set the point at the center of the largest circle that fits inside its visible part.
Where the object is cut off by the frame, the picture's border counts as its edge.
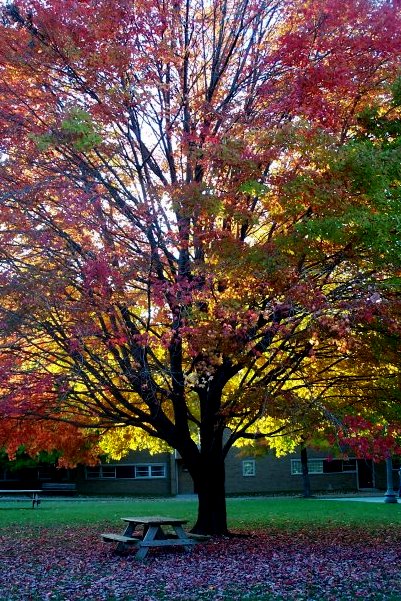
(242, 513)
(295, 550)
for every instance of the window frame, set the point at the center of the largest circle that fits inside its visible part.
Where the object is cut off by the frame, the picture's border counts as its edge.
(150, 475)
(350, 466)
(100, 472)
(100, 475)
(252, 464)
(296, 467)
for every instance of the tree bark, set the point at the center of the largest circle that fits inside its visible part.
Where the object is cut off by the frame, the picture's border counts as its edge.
(209, 484)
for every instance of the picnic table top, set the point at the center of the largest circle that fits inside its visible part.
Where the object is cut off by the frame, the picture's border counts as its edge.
(154, 519)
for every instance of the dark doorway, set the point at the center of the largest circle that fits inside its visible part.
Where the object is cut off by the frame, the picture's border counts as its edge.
(185, 485)
(365, 473)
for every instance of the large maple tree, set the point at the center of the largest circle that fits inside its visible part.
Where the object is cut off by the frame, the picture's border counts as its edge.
(196, 226)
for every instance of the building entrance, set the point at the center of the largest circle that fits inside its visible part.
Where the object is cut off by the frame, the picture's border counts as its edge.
(366, 475)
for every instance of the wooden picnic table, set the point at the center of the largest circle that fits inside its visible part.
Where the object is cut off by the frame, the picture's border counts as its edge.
(146, 532)
(33, 493)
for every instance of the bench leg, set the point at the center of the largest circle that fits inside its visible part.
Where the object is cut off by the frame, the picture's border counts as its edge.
(121, 549)
(150, 535)
(141, 553)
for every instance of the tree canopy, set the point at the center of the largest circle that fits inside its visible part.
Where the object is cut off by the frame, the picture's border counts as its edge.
(199, 209)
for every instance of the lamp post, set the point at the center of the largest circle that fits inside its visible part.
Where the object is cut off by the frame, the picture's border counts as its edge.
(390, 496)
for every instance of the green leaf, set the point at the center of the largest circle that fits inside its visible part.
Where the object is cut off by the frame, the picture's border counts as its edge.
(253, 187)
(80, 127)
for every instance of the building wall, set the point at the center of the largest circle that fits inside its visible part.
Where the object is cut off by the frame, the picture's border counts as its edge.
(244, 475)
(272, 475)
(107, 484)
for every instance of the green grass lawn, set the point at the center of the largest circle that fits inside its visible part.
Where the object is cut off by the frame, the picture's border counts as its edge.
(242, 513)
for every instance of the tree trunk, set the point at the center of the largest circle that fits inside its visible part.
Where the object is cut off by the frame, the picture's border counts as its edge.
(209, 483)
(305, 473)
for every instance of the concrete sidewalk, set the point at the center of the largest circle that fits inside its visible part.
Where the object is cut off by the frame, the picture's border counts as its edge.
(378, 499)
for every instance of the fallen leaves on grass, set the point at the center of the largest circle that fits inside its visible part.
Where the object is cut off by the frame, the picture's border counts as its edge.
(327, 564)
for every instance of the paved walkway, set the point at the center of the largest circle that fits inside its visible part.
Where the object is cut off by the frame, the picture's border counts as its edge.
(360, 499)
(373, 498)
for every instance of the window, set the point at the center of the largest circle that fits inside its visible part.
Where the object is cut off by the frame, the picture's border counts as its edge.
(101, 471)
(108, 471)
(315, 466)
(125, 471)
(349, 465)
(93, 472)
(337, 466)
(44, 473)
(6, 474)
(158, 471)
(332, 466)
(248, 467)
(142, 471)
(324, 466)
(152, 470)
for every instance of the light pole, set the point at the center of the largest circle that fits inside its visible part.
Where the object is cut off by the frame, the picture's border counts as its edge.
(390, 497)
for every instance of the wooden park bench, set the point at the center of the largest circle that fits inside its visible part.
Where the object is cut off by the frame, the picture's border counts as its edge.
(59, 487)
(34, 494)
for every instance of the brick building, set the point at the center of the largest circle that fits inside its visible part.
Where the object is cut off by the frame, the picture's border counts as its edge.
(165, 474)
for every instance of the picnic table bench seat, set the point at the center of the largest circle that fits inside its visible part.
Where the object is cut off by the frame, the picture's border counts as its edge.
(198, 537)
(195, 537)
(110, 537)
